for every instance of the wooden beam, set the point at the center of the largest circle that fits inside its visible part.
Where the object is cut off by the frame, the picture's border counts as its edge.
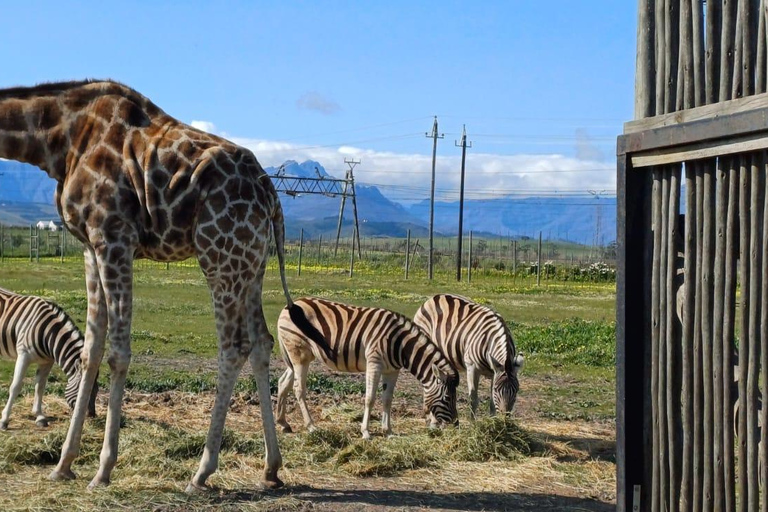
(698, 151)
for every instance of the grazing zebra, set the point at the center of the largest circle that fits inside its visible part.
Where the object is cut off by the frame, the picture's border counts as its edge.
(475, 339)
(33, 330)
(356, 339)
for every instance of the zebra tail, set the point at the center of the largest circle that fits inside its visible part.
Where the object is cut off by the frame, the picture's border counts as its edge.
(299, 318)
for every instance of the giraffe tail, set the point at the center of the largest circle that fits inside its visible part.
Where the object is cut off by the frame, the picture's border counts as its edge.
(278, 228)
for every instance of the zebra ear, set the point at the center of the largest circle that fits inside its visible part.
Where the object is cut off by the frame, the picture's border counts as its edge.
(439, 374)
(519, 362)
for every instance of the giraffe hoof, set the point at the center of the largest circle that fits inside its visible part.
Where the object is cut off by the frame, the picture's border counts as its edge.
(42, 422)
(61, 475)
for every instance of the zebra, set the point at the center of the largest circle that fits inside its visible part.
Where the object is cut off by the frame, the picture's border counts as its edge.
(475, 339)
(374, 341)
(34, 330)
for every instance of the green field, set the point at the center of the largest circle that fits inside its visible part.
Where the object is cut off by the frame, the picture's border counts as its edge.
(562, 433)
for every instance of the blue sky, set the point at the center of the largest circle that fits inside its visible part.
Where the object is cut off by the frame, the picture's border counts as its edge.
(543, 87)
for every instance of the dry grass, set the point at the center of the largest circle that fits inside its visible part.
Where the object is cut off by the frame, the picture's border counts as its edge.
(163, 436)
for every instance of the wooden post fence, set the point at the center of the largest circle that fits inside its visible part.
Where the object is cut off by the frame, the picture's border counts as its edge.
(301, 250)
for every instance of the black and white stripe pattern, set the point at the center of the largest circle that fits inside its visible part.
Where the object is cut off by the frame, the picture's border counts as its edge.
(374, 341)
(33, 330)
(475, 339)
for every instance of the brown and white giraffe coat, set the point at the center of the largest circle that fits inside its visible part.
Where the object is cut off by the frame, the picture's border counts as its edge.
(133, 182)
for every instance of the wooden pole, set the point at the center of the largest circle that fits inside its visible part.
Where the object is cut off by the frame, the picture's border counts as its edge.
(655, 313)
(469, 260)
(674, 378)
(707, 291)
(644, 68)
(665, 448)
(764, 336)
(301, 249)
(538, 264)
(698, 362)
(753, 340)
(744, 273)
(407, 252)
(689, 291)
(319, 249)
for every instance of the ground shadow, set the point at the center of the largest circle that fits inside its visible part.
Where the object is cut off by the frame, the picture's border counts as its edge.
(383, 499)
(596, 448)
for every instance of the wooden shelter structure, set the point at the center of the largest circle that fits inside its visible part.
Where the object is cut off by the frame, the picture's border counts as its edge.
(692, 290)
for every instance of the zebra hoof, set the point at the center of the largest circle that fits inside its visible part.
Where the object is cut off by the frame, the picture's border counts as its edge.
(3, 425)
(193, 488)
(271, 481)
(42, 423)
(62, 475)
(366, 436)
(98, 482)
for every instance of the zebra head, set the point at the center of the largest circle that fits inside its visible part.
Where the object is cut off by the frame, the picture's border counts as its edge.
(440, 398)
(506, 385)
(73, 387)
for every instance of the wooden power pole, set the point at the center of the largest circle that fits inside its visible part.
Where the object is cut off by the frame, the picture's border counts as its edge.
(463, 144)
(434, 137)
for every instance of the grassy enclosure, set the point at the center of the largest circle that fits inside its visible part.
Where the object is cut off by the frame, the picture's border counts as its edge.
(556, 452)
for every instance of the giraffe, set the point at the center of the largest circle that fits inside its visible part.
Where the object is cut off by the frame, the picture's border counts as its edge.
(133, 182)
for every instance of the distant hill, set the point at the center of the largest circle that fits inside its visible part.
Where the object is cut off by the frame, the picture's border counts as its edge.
(26, 196)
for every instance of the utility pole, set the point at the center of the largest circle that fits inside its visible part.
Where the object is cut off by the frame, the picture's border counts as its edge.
(434, 135)
(464, 147)
(349, 182)
(598, 218)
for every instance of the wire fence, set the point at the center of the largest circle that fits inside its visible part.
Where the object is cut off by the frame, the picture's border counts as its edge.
(507, 258)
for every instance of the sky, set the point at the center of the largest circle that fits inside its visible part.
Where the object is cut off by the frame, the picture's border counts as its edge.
(543, 88)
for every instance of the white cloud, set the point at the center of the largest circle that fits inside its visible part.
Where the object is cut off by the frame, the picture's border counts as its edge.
(313, 100)
(406, 177)
(205, 126)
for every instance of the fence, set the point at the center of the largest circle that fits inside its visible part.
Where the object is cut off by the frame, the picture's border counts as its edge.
(511, 258)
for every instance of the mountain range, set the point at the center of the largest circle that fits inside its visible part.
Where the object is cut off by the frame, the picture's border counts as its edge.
(26, 196)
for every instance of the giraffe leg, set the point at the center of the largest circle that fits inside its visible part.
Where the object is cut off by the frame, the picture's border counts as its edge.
(473, 380)
(22, 363)
(93, 351)
(117, 283)
(262, 349)
(41, 379)
(234, 348)
(388, 383)
(372, 375)
(283, 385)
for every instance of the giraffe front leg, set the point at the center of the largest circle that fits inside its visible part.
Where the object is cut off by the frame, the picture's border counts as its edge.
(388, 384)
(93, 351)
(22, 363)
(117, 283)
(372, 375)
(41, 379)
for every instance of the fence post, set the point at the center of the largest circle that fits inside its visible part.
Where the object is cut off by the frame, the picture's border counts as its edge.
(301, 248)
(514, 257)
(319, 246)
(352, 253)
(2, 243)
(407, 252)
(538, 264)
(469, 263)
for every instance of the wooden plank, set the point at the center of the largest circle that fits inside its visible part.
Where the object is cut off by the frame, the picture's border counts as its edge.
(633, 404)
(700, 151)
(703, 113)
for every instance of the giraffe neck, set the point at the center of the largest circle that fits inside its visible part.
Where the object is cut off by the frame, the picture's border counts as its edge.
(35, 130)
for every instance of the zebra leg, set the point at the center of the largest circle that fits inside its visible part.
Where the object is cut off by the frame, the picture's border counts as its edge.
(372, 375)
(22, 363)
(388, 389)
(262, 349)
(300, 390)
(117, 283)
(93, 351)
(473, 379)
(41, 379)
(283, 385)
